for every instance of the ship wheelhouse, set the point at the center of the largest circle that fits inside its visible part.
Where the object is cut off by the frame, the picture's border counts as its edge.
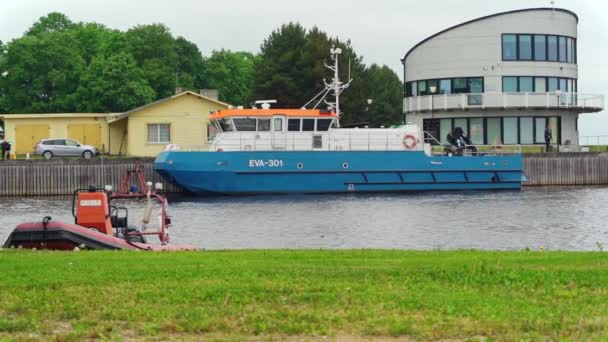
(303, 130)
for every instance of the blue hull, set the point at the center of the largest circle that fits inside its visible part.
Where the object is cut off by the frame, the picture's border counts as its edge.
(335, 172)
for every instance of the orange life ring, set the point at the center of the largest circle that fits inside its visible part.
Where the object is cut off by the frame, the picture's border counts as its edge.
(409, 141)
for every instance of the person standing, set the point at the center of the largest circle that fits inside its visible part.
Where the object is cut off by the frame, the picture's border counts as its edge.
(548, 137)
(2, 146)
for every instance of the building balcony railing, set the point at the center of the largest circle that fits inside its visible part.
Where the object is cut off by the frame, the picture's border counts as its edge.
(587, 103)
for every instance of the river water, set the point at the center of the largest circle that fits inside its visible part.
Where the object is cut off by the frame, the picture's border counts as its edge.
(549, 218)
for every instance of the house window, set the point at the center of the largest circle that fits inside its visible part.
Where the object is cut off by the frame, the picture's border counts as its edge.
(509, 84)
(510, 131)
(493, 131)
(159, 133)
(562, 49)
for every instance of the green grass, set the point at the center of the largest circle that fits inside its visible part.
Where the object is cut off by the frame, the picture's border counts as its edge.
(303, 294)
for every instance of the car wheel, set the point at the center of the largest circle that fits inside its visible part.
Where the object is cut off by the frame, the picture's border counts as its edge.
(87, 154)
(47, 155)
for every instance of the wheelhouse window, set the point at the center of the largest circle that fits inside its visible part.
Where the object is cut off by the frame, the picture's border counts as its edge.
(323, 124)
(159, 133)
(211, 132)
(308, 125)
(293, 125)
(525, 47)
(244, 124)
(263, 125)
(278, 124)
(226, 125)
(509, 47)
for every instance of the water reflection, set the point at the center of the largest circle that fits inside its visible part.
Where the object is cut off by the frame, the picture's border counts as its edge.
(555, 218)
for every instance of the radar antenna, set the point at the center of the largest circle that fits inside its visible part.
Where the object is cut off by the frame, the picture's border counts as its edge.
(336, 87)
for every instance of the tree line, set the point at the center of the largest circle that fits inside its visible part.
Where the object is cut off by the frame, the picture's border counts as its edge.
(63, 66)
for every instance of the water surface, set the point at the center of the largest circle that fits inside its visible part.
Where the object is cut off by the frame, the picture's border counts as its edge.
(563, 218)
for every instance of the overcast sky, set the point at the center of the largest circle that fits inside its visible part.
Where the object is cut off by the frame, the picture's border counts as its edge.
(381, 30)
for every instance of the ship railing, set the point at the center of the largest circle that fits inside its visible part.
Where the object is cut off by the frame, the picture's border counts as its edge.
(339, 141)
(476, 150)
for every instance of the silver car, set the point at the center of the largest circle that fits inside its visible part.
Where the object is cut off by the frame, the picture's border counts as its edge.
(48, 148)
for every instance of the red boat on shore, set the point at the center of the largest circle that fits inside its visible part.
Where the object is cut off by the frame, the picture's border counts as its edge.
(100, 225)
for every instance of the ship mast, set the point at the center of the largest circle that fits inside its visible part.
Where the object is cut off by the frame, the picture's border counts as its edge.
(336, 87)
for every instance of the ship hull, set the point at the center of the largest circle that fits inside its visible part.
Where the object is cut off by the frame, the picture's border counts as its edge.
(273, 172)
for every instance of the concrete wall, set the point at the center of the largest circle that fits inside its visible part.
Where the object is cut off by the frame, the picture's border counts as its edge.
(187, 115)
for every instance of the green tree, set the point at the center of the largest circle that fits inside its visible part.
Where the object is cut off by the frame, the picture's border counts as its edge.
(53, 22)
(41, 73)
(92, 39)
(232, 74)
(113, 84)
(2, 74)
(384, 89)
(190, 67)
(279, 73)
(154, 50)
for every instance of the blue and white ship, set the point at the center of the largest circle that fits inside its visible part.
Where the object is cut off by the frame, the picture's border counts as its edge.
(264, 151)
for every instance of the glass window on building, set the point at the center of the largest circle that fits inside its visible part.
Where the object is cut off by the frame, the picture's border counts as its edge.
(526, 131)
(553, 84)
(493, 131)
(460, 86)
(431, 129)
(432, 84)
(570, 50)
(414, 88)
(476, 131)
(525, 47)
(526, 85)
(159, 133)
(422, 88)
(562, 49)
(540, 47)
(408, 89)
(563, 85)
(540, 130)
(445, 128)
(462, 123)
(510, 131)
(509, 47)
(552, 48)
(445, 87)
(509, 84)
(540, 84)
(554, 124)
(475, 87)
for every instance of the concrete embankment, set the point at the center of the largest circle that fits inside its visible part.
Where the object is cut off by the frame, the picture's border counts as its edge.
(63, 176)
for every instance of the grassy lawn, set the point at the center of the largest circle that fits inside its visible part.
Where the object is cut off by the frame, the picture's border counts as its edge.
(303, 295)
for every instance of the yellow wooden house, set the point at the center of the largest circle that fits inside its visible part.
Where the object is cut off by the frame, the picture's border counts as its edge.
(145, 131)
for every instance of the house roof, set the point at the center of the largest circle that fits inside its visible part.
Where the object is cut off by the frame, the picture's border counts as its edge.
(270, 112)
(56, 115)
(187, 92)
(488, 17)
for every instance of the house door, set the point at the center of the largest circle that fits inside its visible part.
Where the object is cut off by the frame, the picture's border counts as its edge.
(26, 137)
(279, 136)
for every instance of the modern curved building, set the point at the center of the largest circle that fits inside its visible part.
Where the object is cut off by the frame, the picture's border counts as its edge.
(502, 78)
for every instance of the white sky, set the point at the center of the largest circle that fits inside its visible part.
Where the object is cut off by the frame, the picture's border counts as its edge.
(381, 31)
